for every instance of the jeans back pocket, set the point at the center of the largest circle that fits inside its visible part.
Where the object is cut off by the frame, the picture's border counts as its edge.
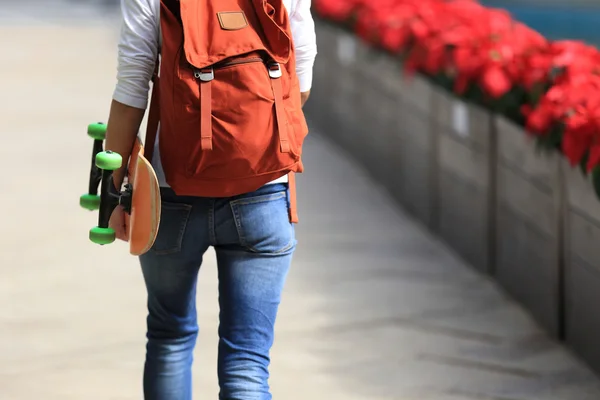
(263, 223)
(173, 222)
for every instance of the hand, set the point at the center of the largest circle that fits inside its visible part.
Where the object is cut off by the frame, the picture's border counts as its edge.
(118, 223)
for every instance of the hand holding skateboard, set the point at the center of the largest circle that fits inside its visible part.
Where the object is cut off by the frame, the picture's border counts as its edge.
(140, 197)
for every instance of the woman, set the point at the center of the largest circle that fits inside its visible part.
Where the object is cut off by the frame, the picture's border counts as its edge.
(251, 232)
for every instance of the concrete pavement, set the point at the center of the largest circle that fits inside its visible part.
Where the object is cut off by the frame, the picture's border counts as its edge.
(375, 308)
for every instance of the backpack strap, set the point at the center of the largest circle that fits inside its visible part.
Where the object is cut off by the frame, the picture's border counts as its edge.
(293, 203)
(205, 76)
(153, 116)
(282, 126)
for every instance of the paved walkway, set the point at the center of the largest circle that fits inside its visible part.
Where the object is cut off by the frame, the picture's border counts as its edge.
(375, 307)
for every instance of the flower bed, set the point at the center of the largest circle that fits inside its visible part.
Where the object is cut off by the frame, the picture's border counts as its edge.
(482, 55)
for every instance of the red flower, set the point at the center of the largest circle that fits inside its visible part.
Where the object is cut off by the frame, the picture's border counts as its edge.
(475, 45)
(539, 121)
(495, 81)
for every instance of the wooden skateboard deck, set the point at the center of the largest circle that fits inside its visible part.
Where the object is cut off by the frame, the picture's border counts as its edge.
(144, 219)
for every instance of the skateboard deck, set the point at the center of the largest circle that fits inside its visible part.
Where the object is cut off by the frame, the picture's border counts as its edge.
(140, 196)
(144, 218)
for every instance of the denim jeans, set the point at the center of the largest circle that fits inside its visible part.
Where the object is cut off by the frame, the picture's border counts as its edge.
(254, 242)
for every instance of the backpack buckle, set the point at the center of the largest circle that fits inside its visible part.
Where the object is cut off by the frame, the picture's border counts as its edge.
(274, 70)
(205, 75)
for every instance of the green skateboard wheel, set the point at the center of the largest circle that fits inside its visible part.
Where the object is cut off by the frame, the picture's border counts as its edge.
(90, 201)
(108, 160)
(102, 235)
(97, 131)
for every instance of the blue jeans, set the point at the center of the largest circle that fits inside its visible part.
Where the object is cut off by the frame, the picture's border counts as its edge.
(254, 242)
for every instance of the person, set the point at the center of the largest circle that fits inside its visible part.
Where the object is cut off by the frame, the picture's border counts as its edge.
(245, 213)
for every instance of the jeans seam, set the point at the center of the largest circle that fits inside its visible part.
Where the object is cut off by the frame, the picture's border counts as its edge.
(238, 223)
(259, 199)
(212, 234)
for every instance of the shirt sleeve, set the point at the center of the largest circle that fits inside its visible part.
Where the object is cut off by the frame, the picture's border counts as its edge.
(137, 51)
(305, 42)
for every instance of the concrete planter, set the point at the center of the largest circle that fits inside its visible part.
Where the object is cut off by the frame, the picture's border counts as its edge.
(476, 179)
(378, 110)
(466, 153)
(361, 101)
(414, 162)
(321, 110)
(528, 224)
(354, 100)
(582, 266)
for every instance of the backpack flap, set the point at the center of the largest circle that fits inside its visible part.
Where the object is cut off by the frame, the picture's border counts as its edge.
(215, 30)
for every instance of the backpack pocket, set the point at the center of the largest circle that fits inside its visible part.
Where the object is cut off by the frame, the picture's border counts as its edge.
(243, 133)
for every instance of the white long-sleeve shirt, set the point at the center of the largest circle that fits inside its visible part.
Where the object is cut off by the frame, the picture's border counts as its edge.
(139, 45)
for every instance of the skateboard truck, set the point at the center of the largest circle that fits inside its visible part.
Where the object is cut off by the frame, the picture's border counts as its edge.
(101, 174)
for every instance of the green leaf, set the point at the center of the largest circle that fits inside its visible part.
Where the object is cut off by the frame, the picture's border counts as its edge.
(596, 180)
(583, 164)
(552, 141)
(537, 91)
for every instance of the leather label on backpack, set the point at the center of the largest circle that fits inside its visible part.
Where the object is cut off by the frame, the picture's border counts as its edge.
(232, 20)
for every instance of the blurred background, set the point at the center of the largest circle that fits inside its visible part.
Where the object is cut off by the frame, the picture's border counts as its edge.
(376, 307)
(556, 19)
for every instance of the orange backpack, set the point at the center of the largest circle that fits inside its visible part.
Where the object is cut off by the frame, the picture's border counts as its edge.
(229, 107)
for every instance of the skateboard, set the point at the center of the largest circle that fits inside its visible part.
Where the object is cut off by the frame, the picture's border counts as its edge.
(139, 196)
